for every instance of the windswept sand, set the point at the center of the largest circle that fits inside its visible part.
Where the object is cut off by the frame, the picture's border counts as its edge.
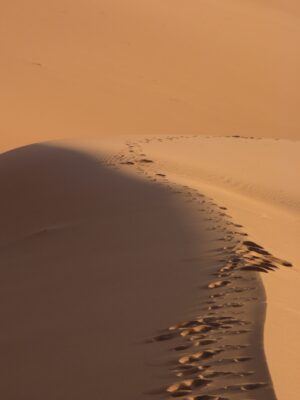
(257, 180)
(125, 267)
(109, 278)
(93, 263)
(101, 254)
(86, 67)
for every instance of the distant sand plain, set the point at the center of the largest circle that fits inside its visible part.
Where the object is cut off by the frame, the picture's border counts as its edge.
(85, 68)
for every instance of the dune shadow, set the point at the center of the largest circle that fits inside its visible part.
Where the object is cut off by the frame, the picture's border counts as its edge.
(90, 265)
(93, 261)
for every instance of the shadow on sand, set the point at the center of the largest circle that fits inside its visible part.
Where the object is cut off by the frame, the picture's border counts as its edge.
(92, 263)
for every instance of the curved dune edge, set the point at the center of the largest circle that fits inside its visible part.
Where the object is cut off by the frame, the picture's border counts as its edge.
(93, 261)
(229, 174)
(147, 158)
(263, 190)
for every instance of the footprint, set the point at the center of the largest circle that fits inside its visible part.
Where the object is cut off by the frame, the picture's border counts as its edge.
(215, 374)
(127, 163)
(216, 307)
(185, 387)
(188, 370)
(183, 347)
(201, 355)
(242, 359)
(145, 161)
(187, 324)
(287, 264)
(253, 268)
(239, 332)
(165, 336)
(218, 284)
(235, 360)
(197, 329)
(206, 397)
(246, 387)
(207, 342)
(256, 248)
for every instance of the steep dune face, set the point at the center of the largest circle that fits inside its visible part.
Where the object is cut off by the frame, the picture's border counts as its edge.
(113, 283)
(92, 67)
(78, 288)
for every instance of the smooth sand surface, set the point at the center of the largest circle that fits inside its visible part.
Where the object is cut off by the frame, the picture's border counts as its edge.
(82, 68)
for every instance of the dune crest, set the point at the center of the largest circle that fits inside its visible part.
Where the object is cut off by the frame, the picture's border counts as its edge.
(256, 180)
(101, 233)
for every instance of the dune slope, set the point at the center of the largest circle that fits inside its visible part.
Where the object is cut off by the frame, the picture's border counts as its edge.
(257, 180)
(112, 282)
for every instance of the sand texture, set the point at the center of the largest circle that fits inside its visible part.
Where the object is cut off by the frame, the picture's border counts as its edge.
(149, 199)
(118, 267)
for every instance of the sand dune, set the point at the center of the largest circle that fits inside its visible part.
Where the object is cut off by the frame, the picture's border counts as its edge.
(146, 242)
(83, 278)
(96, 261)
(257, 181)
(121, 263)
(210, 67)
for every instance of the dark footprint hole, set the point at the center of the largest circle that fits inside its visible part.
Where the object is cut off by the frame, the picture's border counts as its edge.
(246, 387)
(253, 268)
(146, 161)
(127, 163)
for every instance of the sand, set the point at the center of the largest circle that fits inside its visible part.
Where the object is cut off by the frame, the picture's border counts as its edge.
(85, 68)
(83, 278)
(256, 179)
(99, 264)
(122, 256)
(149, 208)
